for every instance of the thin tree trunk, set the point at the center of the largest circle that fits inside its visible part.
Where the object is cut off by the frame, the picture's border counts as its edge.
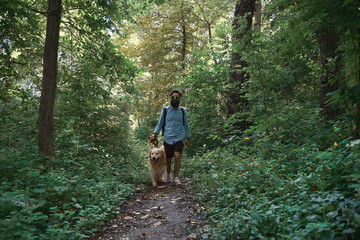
(330, 79)
(357, 123)
(184, 45)
(258, 8)
(48, 91)
(238, 77)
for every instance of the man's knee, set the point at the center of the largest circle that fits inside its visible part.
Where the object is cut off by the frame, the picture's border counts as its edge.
(177, 155)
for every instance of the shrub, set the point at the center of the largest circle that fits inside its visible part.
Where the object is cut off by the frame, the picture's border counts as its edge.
(292, 193)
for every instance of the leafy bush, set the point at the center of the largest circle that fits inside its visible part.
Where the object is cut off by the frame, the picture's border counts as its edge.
(293, 193)
(71, 202)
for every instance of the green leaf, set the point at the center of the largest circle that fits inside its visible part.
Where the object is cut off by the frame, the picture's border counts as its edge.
(349, 231)
(346, 2)
(326, 234)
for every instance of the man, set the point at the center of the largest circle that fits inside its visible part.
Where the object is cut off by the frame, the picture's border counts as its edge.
(176, 129)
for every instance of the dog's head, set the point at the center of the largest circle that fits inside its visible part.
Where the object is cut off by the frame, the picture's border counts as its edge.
(156, 154)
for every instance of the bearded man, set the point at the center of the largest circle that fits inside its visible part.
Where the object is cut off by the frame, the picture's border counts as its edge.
(175, 125)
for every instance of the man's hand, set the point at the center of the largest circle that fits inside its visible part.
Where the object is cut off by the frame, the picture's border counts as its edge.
(187, 144)
(153, 137)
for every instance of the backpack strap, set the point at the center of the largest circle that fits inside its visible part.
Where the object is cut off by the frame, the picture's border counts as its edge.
(163, 127)
(183, 115)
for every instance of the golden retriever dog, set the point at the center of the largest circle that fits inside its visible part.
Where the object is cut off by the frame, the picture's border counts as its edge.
(157, 164)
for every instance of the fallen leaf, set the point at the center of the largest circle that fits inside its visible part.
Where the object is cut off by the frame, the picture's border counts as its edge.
(145, 196)
(161, 186)
(159, 207)
(144, 217)
(191, 236)
(128, 218)
(147, 210)
(190, 221)
(163, 195)
(157, 224)
(176, 234)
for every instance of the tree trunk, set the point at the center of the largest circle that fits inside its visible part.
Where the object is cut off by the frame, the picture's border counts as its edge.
(357, 123)
(330, 79)
(238, 77)
(48, 91)
(184, 46)
(258, 14)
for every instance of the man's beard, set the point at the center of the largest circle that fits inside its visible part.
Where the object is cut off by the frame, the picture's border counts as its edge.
(175, 103)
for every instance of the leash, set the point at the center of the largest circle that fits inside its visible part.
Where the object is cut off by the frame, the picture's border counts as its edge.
(154, 142)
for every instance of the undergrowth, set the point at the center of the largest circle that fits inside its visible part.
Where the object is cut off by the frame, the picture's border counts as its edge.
(71, 202)
(265, 190)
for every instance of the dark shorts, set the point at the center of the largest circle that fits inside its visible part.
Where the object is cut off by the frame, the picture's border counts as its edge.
(170, 149)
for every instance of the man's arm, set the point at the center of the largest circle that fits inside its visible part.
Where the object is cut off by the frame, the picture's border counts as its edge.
(158, 126)
(187, 129)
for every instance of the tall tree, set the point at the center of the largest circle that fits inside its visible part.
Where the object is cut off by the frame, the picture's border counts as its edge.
(244, 11)
(50, 70)
(209, 12)
(258, 9)
(162, 45)
(357, 121)
(330, 80)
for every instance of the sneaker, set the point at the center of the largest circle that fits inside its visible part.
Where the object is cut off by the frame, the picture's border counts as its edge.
(177, 181)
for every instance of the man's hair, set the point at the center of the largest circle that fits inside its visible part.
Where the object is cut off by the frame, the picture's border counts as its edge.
(175, 91)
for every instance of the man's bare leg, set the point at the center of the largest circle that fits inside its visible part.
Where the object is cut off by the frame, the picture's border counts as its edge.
(168, 165)
(177, 165)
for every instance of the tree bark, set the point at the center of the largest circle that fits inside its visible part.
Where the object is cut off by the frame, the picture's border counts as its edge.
(238, 77)
(48, 91)
(258, 8)
(357, 121)
(329, 81)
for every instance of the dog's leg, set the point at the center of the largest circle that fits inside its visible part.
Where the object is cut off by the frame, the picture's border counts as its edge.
(153, 180)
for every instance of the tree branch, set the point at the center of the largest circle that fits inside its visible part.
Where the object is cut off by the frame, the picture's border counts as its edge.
(45, 13)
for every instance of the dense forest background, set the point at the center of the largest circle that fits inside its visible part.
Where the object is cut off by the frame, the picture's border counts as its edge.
(271, 87)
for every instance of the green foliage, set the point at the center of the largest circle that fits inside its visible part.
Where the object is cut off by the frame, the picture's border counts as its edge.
(291, 175)
(71, 202)
(294, 193)
(146, 127)
(93, 140)
(205, 96)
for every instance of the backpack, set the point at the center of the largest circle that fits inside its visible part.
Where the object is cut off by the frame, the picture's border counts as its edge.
(163, 127)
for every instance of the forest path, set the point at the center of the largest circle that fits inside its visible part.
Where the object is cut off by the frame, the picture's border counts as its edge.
(165, 212)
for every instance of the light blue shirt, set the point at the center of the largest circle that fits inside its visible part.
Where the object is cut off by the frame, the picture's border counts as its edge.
(175, 129)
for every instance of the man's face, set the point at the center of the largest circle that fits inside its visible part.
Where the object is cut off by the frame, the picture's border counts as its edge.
(175, 97)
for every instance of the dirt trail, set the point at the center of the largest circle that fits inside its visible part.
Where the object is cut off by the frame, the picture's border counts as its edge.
(166, 212)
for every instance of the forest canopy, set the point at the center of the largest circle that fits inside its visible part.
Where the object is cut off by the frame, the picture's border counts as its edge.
(272, 89)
